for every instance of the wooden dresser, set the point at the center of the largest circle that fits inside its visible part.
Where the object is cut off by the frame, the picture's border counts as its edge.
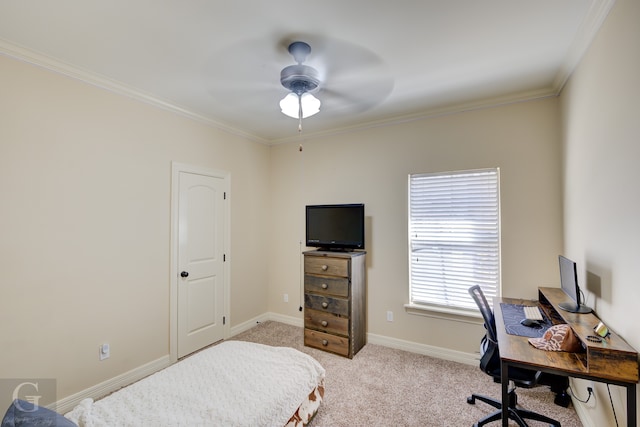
(335, 301)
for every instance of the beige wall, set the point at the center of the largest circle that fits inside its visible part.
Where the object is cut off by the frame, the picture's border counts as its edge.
(601, 129)
(371, 166)
(85, 193)
(84, 238)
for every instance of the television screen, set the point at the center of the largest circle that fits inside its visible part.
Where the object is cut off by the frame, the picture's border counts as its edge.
(335, 226)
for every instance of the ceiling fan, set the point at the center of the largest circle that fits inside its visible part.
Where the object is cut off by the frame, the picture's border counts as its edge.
(302, 81)
(338, 75)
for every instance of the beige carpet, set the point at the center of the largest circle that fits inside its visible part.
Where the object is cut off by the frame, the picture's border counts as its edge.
(381, 386)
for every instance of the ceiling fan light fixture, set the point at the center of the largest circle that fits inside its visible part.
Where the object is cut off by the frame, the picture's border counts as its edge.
(293, 103)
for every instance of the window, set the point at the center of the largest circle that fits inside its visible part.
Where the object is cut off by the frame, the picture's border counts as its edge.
(454, 238)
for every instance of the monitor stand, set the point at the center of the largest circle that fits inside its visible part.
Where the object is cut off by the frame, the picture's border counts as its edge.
(574, 308)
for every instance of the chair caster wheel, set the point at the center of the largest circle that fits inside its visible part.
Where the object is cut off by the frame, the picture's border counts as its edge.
(471, 400)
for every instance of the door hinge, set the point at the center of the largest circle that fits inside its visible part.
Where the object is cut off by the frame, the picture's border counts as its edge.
(224, 257)
(224, 320)
(224, 195)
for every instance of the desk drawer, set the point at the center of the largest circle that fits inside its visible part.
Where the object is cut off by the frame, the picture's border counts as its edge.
(337, 306)
(327, 285)
(328, 342)
(326, 266)
(326, 322)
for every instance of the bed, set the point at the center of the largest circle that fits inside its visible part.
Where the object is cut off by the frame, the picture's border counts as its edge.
(234, 383)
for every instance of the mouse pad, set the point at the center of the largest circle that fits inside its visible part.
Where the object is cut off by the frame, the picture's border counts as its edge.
(512, 314)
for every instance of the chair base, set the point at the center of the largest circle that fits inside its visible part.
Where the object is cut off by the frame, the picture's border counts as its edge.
(515, 413)
(558, 385)
(562, 399)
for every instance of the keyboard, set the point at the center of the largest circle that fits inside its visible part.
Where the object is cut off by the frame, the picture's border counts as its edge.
(532, 312)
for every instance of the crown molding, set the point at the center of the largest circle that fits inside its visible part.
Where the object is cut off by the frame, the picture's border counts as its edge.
(427, 114)
(38, 59)
(598, 12)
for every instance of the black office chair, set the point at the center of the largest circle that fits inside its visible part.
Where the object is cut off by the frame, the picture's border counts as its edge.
(490, 364)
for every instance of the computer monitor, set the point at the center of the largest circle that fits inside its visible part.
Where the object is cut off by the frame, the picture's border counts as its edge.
(569, 284)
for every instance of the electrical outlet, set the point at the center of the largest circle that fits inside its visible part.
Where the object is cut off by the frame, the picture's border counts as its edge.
(389, 316)
(104, 351)
(286, 297)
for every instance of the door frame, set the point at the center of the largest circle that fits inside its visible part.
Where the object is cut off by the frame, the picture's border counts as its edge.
(176, 169)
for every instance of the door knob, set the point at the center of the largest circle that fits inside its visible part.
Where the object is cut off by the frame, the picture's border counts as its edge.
(184, 274)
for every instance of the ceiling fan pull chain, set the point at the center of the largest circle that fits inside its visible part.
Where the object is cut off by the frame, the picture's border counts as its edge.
(300, 113)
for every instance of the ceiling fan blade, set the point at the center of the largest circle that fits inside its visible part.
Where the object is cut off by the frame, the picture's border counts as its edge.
(356, 90)
(354, 79)
(353, 102)
(242, 68)
(246, 75)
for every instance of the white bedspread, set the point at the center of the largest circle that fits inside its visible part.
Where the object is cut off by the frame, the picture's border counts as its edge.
(234, 383)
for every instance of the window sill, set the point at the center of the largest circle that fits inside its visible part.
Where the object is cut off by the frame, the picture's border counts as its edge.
(447, 313)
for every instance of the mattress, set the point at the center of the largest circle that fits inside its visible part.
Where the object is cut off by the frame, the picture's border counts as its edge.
(234, 383)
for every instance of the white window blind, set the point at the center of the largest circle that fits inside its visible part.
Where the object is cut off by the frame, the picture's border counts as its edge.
(454, 237)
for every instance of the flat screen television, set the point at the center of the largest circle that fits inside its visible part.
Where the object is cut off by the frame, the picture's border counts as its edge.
(569, 284)
(335, 227)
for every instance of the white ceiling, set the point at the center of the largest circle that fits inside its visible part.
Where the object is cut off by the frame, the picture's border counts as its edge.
(381, 61)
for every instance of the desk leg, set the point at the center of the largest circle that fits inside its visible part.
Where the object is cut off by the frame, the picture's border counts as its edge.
(631, 406)
(504, 381)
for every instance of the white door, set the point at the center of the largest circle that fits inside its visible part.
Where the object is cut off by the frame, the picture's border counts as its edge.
(200, 269)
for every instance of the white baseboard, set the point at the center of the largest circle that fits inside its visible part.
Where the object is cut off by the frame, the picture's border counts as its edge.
(584, 417)
(427, 350)
(583, 413)
(113, 384)
(104, 388)
(99, 390)
(289, 320)
(413, 347)
(245, 326)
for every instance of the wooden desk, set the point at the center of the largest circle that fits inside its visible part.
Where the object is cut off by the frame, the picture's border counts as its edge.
(611, 361)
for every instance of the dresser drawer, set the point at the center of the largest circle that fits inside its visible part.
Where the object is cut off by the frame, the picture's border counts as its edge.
(327, 285)
(326, 266)
(328, 342)
(326, 322)
(337, 306)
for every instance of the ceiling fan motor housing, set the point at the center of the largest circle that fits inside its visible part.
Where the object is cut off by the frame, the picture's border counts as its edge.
(299, 78)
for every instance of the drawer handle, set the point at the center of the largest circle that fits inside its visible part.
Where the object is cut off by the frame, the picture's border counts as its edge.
(325, 286)
(324, 323)
(325, 267)
(325, 343)
(325, 305)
